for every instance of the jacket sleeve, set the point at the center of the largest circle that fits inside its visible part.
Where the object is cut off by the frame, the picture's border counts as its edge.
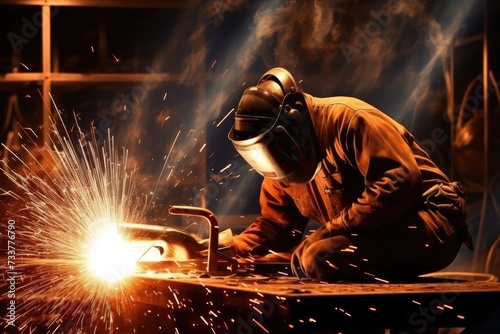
(278, 228)
(380, 149)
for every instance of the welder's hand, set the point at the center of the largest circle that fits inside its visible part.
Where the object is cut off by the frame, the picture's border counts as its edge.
(225, 239)
(295, 266)
(302, 259)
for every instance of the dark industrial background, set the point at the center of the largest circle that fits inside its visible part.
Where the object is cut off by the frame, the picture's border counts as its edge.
(162, 76)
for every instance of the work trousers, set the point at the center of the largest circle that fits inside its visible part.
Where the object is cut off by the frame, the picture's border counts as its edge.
(398, 251)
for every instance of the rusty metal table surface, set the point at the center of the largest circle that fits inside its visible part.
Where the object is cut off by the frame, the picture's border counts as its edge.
(263, 304)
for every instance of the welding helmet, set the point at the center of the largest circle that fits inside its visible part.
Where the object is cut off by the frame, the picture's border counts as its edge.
(273, 130)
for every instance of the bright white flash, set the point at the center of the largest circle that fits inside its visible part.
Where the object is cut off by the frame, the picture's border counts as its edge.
(111, 258)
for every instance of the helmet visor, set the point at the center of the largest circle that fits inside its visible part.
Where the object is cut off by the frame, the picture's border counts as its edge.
(280, 153)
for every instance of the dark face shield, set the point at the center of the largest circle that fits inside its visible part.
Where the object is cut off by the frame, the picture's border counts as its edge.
(287, 150)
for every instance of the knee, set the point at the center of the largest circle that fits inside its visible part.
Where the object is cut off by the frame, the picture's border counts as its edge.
(323, 248)
(333, 260)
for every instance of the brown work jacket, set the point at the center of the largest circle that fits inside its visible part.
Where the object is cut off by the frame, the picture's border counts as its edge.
(373, 171)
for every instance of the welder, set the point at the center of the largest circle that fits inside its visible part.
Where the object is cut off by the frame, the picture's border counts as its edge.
(384, 208)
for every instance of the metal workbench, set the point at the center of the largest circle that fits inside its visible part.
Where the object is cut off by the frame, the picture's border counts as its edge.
(263, 304)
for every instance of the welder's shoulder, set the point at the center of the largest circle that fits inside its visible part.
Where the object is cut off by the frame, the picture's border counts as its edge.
(345, 104)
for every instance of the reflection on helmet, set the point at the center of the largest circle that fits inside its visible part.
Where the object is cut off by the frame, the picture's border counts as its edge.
(273, 130)
(257, 110)
(282, 77)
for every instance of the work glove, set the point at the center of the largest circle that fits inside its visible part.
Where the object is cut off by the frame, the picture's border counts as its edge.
(302, 262)
(449, 200)
(225, 239)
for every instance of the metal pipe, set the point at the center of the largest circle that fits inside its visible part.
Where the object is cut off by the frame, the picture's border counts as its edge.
(451, 108)
(213, 238)
(484, 206)
(46, 69)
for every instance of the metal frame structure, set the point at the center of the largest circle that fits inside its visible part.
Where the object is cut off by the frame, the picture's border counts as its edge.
(49, 76)
(485, 186)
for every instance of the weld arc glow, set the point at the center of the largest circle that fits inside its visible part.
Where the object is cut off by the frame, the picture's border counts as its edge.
(70, 196)
(111, 258)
